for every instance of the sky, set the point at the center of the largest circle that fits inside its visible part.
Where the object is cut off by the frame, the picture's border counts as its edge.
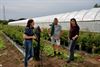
(15, 9)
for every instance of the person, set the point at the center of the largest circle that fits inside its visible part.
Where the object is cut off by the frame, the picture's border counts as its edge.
(37, 47)
(73, 36)
(28, 37)
(55, 32)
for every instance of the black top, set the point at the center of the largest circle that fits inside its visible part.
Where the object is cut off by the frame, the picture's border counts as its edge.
(38, 33)
(73, 32)
(29, 31)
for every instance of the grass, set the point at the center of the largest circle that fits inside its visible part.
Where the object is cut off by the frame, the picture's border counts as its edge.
(1, 44)
(1, 41)
(48, 49)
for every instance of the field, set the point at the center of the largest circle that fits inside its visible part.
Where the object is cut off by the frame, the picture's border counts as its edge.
(87, 50)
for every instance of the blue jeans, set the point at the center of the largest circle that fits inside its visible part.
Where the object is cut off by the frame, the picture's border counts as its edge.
(71, 49)
(28, 51)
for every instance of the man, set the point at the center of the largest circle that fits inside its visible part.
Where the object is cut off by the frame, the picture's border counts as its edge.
(55, 32)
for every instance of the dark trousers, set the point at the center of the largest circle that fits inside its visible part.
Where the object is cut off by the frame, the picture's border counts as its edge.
(71, 49)
(28, 51)
(37, 51)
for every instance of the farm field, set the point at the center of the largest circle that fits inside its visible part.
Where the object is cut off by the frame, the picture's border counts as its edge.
(11, 57)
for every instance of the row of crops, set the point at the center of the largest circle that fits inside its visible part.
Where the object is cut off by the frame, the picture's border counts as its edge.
(88, 41)
(1, 42)
(16, 32)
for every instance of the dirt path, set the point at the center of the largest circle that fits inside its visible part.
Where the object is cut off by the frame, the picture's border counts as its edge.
(9, 56)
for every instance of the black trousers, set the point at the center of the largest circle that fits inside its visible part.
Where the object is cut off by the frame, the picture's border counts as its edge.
(37, 51)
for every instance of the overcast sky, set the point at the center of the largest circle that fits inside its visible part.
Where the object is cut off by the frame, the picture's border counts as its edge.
(15, 9)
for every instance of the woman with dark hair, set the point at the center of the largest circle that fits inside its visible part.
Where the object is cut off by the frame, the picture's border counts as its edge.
(73, 35)
(28, 37)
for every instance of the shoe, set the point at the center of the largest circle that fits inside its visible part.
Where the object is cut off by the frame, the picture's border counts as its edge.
(68, 61)
(22, 60)
(30, 59)
(38, 59)
(54, 53)
(59, 53)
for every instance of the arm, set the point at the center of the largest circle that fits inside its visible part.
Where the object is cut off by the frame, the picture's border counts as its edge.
(28, 37)
(76, 36)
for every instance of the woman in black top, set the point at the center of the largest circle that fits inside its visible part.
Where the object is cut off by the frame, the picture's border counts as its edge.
(73, 35)
(28, 36)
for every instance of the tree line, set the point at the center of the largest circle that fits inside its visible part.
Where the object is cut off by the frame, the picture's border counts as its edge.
(96, 6)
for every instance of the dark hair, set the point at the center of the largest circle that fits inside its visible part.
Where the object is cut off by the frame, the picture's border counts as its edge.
(55, 19)
(75, 23)
(29, 23)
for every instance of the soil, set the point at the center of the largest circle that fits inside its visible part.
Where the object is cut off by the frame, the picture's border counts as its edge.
(11, 57)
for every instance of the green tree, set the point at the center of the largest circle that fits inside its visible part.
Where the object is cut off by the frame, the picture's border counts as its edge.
(96, 5)
(3, 22)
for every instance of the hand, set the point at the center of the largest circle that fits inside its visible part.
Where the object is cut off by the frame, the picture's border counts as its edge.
(34, 37)
(49, 35)
(74, 38)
